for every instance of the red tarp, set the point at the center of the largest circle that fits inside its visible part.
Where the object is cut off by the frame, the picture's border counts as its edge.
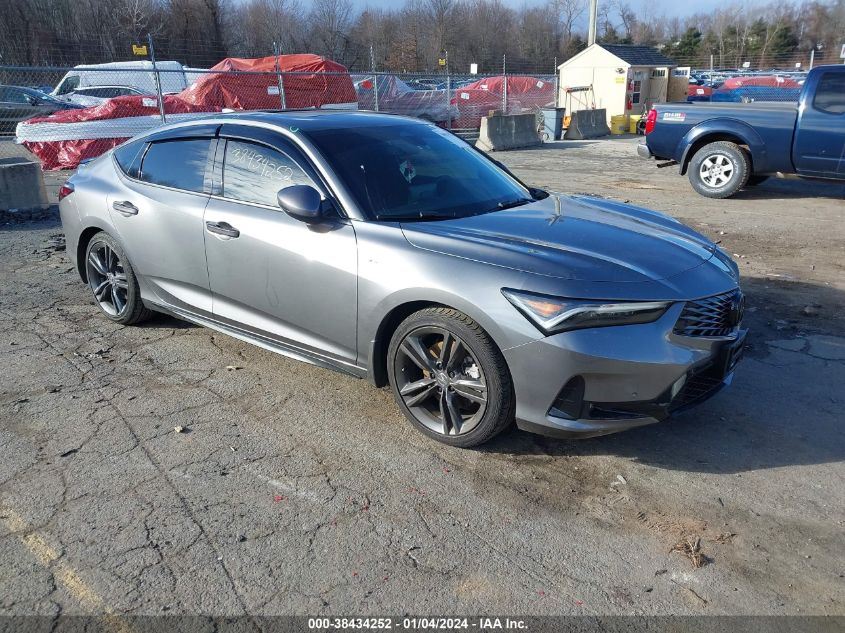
(120, 107)
(68, 154)
(769, 81)
(253, 84)
(67, 137)
(525, 92)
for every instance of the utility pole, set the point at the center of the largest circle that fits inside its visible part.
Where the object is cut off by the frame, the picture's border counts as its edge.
(594, 15)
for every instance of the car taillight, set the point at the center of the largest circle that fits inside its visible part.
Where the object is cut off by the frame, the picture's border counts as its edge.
(650, 120)
(65, 190)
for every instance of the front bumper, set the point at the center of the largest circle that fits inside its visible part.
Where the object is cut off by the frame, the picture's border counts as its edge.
(598, 381)
(643, 151)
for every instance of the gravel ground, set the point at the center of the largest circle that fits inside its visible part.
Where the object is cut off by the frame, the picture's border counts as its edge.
(296, 490)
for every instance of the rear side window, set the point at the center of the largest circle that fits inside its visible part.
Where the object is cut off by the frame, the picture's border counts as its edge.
(830, 94)
(129, 157)
(70, 84)
(256, 173)
(179, 164)
(104, 93)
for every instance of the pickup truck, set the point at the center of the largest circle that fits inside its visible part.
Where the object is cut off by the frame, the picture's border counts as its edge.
(724, 147)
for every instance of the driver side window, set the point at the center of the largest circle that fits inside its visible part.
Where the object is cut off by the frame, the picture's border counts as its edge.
(256, 173)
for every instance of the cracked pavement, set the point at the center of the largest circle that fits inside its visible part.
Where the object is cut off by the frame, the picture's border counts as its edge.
(296, 490)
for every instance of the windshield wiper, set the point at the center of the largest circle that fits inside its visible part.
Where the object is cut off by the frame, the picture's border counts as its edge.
(513, 203)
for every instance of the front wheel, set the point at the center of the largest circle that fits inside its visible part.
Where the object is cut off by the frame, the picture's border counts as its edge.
(449, 378)
(719, 170)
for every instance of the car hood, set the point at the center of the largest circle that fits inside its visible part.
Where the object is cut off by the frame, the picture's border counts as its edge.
(570, 237)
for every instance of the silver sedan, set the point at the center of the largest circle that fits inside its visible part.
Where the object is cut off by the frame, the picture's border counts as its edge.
(389, 249)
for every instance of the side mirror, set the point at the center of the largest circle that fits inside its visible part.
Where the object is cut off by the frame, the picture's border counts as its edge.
(301, 202)
(32, 100)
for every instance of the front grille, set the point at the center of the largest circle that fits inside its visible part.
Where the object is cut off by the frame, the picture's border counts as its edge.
(712, 316)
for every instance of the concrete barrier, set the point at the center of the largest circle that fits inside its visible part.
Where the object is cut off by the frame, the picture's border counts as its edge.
(587, 124)
(21, 185)
(512, 131)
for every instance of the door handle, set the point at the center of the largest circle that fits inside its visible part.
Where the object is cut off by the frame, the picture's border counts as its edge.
(124, 207)
(222, 228)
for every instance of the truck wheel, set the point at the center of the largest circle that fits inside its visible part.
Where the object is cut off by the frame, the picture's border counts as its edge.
(719, 170)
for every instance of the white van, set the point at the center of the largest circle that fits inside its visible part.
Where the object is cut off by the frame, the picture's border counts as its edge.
(137, 74)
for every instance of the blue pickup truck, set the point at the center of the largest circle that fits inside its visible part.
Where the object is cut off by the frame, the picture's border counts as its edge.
(724, 147)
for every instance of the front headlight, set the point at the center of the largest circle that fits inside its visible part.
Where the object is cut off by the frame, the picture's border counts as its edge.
(556, 314)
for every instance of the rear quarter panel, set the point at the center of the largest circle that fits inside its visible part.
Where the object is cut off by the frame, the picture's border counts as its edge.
(86, 210)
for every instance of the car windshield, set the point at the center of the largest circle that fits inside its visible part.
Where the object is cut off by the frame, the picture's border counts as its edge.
(409, 171)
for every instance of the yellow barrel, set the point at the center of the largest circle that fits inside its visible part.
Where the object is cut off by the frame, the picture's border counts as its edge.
(635, 118)
(619, 124)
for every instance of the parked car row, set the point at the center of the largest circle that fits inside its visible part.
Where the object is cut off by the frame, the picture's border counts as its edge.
(111, 113)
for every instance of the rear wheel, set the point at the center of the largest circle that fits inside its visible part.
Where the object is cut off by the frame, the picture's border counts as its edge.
(719, 170)
(449, 378)
(112, 281)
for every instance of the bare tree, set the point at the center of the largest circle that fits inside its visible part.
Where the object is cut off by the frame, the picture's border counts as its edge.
(331, 21)
(565, 15)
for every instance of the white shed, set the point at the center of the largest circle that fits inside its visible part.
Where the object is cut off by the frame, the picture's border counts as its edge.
(626, 79)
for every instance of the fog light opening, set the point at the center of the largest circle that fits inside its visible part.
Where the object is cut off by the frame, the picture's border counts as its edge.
(570, 400)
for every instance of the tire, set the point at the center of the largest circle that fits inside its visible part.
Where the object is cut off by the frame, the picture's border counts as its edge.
(719, 170)
(753, 181)
(112, 281)
(431, 386)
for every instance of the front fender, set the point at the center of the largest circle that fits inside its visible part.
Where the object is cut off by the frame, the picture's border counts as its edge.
(721, 129)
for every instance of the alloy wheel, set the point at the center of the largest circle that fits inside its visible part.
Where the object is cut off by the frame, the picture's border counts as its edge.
(716, 170)
(440, 381)
(107, 279)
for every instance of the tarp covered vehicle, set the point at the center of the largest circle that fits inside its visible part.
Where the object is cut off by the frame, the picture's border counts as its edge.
(308, 81)
(388, 93)
(519, 94)
(63, 140)
(66, 138)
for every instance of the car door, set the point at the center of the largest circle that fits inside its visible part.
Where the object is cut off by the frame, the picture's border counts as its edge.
(270, 274)
(819, 148)
(157, 208)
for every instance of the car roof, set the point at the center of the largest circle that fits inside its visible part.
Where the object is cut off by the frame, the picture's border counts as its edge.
(97, 87)
(310, 120)
(31, 91)
(324, 119)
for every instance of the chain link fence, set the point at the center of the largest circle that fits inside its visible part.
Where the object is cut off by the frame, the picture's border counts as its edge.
(65, 115)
